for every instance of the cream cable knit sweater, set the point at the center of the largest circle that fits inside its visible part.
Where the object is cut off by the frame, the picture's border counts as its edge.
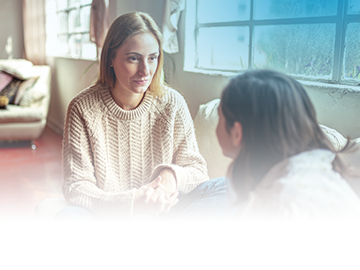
(108, 152)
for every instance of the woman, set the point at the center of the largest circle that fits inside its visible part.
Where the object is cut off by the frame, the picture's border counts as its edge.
(284, 166)
(129, 144)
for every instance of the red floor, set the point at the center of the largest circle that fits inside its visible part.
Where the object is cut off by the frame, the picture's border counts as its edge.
(28, 176)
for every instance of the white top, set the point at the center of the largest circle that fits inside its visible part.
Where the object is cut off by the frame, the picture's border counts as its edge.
(304, 187)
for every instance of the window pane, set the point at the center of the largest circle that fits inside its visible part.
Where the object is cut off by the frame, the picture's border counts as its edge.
(62, 26)
(75, 44)
(88, 48)
(74, 3)
(225, 48)
(85, 18)
(62, 46)
(51, 17)
(276, 9)
(223, 11)
(50, 7)
(352, 55)
(74, 21)
(61, 4)
(354, 7)
(86, 2)
(305, 50)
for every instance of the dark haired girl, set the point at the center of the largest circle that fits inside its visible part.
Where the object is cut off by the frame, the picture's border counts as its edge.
(284, 165)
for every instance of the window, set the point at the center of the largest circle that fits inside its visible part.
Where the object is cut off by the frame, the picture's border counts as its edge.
(67, 29)
(307, 39)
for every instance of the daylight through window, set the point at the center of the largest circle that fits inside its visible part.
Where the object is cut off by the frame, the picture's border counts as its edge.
(67, 29)
(308, 39)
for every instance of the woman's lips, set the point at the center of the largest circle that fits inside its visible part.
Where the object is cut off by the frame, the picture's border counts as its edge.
(141, 82)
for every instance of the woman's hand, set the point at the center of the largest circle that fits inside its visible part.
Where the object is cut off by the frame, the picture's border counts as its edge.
(154, 198)
(168, 180)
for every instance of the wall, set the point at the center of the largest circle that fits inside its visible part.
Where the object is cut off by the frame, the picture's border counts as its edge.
(68, 79)
(337, 107)
(11, 25)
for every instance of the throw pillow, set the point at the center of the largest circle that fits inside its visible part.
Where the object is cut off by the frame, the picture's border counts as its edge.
(18, 68)
(24, 86)
(32, 95)
(5, 79)
(10, 90)
(4, 101)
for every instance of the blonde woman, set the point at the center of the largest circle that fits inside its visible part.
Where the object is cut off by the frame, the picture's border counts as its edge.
(129, 144)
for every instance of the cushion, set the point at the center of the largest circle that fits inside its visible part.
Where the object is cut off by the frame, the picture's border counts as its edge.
(24, 86)
(5, 79)
(338, 140)
(18, 114)
(205, 124)
(33, 94)
(18, 68)
(10, 90)
(4, 101)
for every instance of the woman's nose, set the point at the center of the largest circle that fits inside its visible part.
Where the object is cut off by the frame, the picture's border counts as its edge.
(144, 68)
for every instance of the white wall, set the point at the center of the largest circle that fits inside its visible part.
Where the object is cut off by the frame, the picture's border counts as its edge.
(11, 25)
(338, 108)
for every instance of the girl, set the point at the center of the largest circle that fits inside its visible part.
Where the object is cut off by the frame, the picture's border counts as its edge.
(284, 166)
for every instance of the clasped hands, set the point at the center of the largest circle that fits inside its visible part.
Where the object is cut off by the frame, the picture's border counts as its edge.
(158, 196)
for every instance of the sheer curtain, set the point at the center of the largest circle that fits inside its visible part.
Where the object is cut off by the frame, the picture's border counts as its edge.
(34, 31)
(99, 23)
(172, 11)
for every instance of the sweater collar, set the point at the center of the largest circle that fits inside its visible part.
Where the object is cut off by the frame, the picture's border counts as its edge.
(124, 114)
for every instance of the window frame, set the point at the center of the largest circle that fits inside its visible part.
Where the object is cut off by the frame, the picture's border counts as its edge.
(69, 34)
(341, 21)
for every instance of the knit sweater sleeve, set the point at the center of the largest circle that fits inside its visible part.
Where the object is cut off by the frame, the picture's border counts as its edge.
(188, 165)
(80, 181)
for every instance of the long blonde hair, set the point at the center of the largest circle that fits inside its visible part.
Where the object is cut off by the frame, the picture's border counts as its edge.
(123, 28)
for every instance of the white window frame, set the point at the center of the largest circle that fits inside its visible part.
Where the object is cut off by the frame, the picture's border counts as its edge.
(340, 20)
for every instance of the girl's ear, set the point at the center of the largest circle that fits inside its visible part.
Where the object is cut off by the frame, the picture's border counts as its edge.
(236, 134)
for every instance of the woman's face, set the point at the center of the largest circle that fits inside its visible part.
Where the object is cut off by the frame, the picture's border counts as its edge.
(135, 63)
(228, 141)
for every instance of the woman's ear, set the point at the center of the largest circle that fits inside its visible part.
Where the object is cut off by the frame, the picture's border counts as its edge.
(236, 134)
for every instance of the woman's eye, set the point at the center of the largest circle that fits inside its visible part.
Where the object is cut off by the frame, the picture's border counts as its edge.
(133, 58)
(153, 58)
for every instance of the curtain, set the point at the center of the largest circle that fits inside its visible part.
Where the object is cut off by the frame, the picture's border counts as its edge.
(99, 23)
(34, 31)
(172, 11)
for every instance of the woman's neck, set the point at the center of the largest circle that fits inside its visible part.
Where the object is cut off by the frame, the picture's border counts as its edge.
(125, 100)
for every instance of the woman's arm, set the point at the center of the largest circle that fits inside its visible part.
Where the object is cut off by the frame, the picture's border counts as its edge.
(188, 166)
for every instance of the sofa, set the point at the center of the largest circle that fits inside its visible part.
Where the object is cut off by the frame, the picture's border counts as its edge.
(205, 123)
(23, 116)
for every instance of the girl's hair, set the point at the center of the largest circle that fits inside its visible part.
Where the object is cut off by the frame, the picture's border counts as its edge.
(278, 121)
(122, 29)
